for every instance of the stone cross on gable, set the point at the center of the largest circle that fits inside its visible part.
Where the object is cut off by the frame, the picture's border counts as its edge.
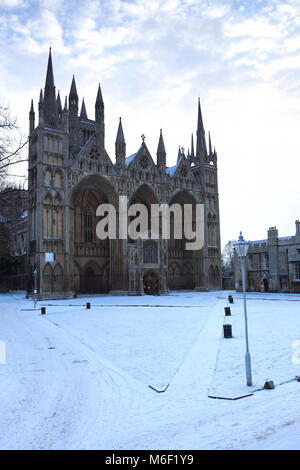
(143, 137)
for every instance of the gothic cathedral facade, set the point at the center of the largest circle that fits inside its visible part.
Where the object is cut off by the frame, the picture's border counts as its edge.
(70, 174)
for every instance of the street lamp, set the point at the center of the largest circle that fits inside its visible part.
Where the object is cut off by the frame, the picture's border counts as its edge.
(241, 247)
(34, 287)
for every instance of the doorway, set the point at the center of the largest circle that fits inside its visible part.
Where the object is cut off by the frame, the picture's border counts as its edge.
(266, 284)
(151, 283)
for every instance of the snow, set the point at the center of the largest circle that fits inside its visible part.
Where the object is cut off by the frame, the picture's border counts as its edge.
(172, 169)
(129, 159)
(79, 379)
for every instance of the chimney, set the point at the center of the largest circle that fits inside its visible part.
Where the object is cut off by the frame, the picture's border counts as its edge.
(297, 228)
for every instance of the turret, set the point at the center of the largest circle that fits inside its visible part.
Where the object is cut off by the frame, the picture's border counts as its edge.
(59, 107)
(73, 99)
(192, 147)
(210, 152)
(179, 155)
(31, 118)
(83, 114)
(161, 153)
(120, 146)
(41, 109)
(65, 115)
(99, 117)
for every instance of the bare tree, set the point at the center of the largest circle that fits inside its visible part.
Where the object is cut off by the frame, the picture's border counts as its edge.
(12, 144)
(228, 258)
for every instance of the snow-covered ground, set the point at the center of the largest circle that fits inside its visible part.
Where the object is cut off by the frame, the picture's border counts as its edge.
(77, 378)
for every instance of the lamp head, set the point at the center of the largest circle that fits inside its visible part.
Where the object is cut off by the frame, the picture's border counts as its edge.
(241, 246)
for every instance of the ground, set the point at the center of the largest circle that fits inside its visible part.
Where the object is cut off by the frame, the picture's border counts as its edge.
(79, 379)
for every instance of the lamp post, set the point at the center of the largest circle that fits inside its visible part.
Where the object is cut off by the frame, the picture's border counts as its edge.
(34, 287)
(241, 247)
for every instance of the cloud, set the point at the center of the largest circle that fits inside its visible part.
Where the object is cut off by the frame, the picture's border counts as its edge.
(10, 4)
(153, 59)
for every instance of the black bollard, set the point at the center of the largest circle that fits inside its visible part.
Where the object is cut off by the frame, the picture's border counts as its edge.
(43, 310)
(227, 331)
(88, 305)
(227, 311)
(230, 298)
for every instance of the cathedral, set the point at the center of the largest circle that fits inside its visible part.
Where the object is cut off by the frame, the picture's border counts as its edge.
(71, 174)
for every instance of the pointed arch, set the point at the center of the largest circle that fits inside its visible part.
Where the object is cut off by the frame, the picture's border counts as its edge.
(174, 276)
(217, 277)
(92, 278)
(58, 199)
(97, 183)
(77, 273)
(48, 177)
(58, 284)
(211, 274)
(144, 193)
(58, 178)
(184, 196)
(48, 198)
(48, 278)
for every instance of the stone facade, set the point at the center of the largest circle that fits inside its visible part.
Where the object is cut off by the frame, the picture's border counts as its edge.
(13, 238)
(70, 174)
(272, 265)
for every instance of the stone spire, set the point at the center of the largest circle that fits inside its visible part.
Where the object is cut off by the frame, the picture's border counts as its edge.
(65, 115)
(66, 105)
(161, 152)
(99, 118)
(120, 145)
(31, 118)
(50, 105)
(59, 107)
(201, 142)
(192, 147)
(83, 113)
(73, 99)
(210, 152)
(41, 108)
(179, 155)
(99, 106)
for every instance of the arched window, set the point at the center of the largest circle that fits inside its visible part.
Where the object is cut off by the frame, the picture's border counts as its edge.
(150, 255)
(88, 226)
(267, 261)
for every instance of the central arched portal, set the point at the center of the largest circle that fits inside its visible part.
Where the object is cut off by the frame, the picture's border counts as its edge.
(94, 261)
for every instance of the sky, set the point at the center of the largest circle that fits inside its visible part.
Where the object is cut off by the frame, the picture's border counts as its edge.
(154, 58)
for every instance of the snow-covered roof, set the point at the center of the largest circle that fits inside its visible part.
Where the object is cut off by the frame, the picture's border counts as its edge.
(258, 242)
(172, 169)
(129, 159)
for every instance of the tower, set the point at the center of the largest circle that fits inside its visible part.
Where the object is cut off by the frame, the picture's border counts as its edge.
(206, 173)
(48, 218)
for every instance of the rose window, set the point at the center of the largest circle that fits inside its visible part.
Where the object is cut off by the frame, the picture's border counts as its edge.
(94, 153)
